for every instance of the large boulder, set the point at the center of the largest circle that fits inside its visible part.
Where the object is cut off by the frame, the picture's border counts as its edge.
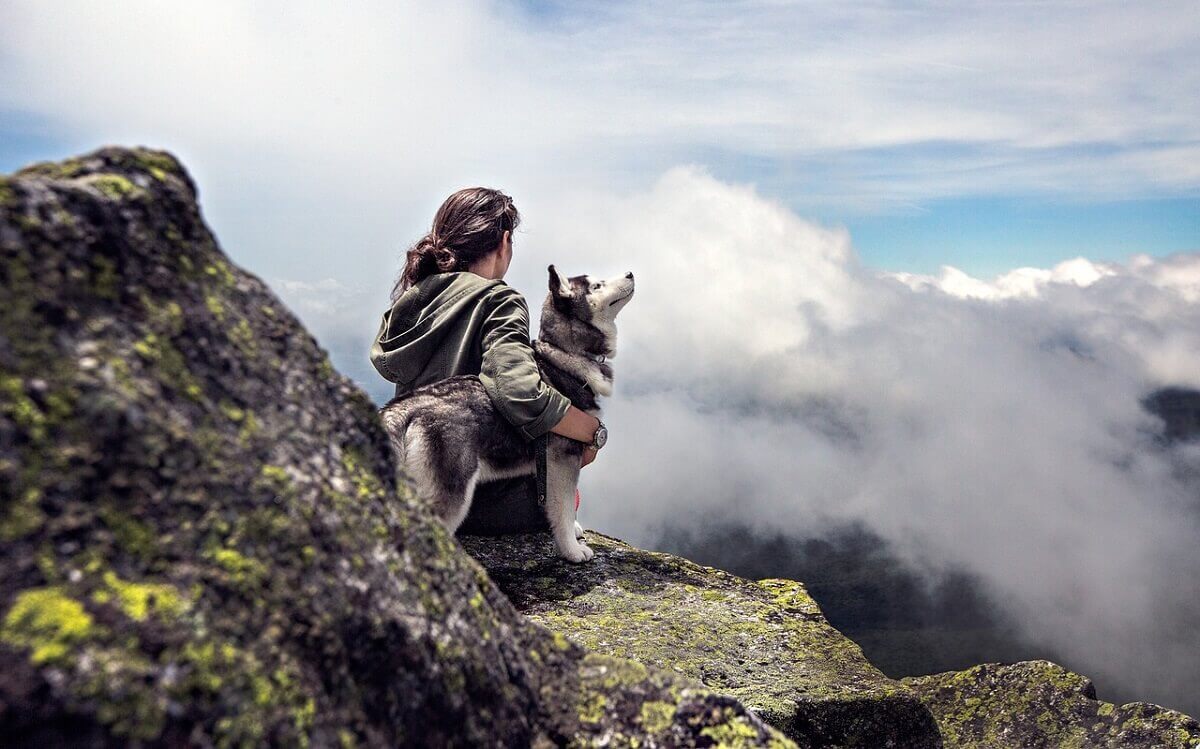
(1039, 704)
(202, 539)
(765, 643)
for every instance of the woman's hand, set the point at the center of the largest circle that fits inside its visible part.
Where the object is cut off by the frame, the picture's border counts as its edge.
(589, 454)
(576, 424)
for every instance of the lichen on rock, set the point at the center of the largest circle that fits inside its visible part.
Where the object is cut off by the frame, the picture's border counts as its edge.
(1039, 704)
(765, 643)
(46, 621)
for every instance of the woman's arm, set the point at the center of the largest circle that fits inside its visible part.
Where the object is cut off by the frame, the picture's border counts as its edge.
(577, 424)
(510, 375)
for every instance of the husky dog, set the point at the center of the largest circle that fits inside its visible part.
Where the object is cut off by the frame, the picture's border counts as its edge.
(447, 435)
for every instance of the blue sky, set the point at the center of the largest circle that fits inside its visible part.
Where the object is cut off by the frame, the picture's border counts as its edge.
(987, 236)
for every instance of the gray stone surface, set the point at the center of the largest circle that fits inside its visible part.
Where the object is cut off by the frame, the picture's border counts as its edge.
(1038, 704)
(765, 643)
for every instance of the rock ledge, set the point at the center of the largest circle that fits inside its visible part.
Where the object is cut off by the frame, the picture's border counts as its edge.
(765, 643)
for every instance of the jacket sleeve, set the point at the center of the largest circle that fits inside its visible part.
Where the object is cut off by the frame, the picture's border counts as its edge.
(510, 374)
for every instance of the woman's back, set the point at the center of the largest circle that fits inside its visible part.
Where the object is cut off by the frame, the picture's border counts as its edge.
(458, 323)
(433, 329)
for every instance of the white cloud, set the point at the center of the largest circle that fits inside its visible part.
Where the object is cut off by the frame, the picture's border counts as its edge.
(345, 321)
(324, 299)
(996, 426)
(1021, 282)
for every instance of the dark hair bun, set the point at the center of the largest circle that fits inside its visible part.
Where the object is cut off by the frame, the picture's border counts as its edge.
(467, 227)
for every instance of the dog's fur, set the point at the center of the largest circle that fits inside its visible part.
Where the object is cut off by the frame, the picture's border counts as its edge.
(447, 436)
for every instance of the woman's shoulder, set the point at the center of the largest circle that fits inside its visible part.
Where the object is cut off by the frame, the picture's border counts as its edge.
(453, 285)
(504, 295)
(440, 291)
(492, 293)
(465, 279)
(459, 279)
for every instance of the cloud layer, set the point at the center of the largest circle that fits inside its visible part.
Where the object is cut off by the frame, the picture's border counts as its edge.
(989, 425)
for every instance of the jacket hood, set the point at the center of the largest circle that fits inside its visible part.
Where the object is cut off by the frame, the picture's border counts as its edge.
(417, 324)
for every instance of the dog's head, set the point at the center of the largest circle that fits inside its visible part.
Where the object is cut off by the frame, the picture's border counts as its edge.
(592, 300)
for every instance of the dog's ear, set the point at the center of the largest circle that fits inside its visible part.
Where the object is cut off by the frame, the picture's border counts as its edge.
(558, 285)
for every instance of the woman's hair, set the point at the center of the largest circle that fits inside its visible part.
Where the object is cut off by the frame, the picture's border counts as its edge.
(468, 226)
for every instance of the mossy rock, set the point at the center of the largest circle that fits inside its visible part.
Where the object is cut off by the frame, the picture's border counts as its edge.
(1039, 704)
(765, 643)
(204, 541)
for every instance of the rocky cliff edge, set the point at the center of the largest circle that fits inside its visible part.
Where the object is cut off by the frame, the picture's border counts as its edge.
(203, 541)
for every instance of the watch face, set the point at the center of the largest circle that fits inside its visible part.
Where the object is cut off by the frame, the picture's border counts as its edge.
(601, 436)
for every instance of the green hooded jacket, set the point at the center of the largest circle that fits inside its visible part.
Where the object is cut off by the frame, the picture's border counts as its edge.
(461, 323)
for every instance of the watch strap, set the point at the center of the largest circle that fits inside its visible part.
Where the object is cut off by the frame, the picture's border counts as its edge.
(599, 426)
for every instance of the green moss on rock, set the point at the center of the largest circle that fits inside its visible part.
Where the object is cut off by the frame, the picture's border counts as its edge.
(214, 306)
(17, 405)
(160, 353)
(8, 196)
(160, 164)
(1041, 704)
(656, 716)
(48, 622)
(765, 643)
(114, 186)
(219, 271)
(243, 338)
(132, 535)
(22, 517)
(624, 703)
(242, 570)
(140, 600)
(60, 170)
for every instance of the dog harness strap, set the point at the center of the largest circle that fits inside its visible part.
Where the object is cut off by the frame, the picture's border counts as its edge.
(540, 450)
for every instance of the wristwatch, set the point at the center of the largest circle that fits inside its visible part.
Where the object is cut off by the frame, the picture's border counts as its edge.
(600, 437)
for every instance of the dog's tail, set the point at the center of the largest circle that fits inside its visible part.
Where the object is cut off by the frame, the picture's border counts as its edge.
(395, 420)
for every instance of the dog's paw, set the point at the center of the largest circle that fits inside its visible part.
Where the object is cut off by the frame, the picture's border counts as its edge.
(581, 553)
(578, 530)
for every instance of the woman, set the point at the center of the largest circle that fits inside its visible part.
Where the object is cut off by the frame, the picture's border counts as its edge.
(453, 314)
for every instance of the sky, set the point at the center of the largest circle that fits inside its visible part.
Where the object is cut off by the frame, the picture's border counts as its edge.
(912, 264)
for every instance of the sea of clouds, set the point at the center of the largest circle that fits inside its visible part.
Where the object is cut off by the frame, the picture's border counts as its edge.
(764, 375)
